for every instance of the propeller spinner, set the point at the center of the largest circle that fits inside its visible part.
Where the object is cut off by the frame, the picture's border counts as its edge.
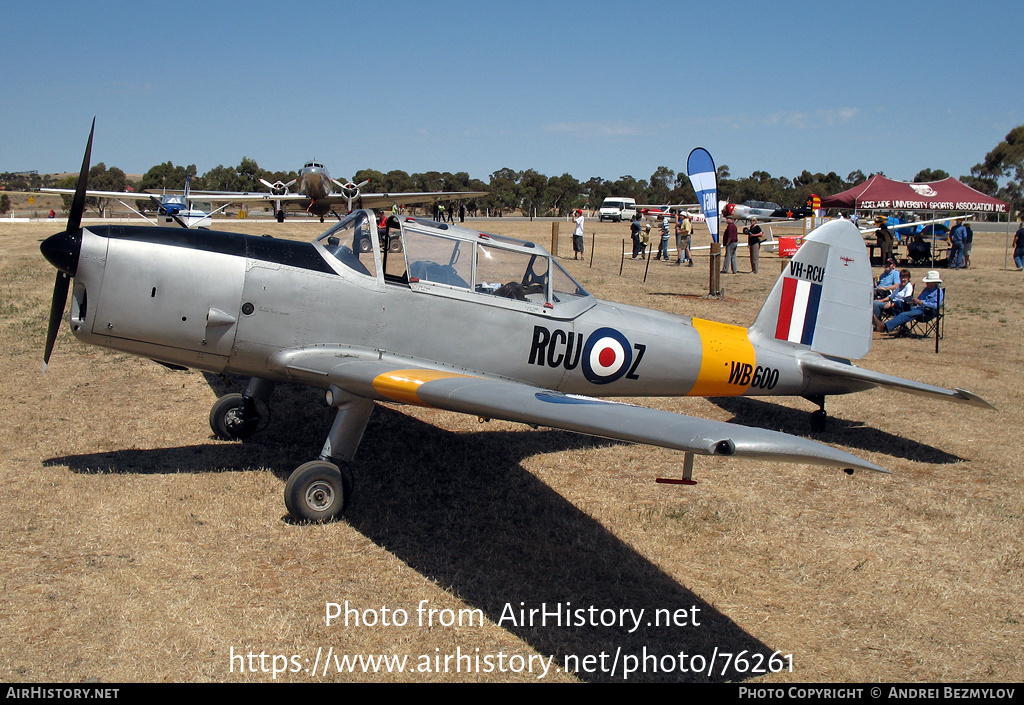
(62, 251)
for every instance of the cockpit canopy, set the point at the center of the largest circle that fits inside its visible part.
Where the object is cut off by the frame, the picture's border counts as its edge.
(454, 260)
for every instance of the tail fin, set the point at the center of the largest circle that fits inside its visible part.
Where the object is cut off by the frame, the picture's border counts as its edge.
(823, 299)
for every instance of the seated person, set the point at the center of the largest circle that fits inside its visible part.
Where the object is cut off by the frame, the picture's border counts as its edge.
(917, 249)
(899, 300)
(928, 302)
(889, 281)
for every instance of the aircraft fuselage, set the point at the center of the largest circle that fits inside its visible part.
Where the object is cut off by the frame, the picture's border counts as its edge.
(315, 183)
(250, 305)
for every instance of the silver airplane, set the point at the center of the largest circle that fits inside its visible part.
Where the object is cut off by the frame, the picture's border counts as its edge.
(464, 321)
(317, 195)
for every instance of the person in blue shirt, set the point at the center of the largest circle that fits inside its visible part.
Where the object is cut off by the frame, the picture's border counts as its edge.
(957, 240)
(634, 233)
(928, 301)
(889, 281)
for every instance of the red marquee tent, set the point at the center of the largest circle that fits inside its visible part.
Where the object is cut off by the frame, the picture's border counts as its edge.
(880, 193)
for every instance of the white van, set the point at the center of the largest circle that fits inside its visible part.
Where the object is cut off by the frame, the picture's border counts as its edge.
(617, 208)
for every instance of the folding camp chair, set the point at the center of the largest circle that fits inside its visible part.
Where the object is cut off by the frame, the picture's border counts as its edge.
(930, 323)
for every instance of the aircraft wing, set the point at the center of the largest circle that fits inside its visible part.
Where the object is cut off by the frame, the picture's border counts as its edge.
(369, 375)
(917, 223)
(664, 207)
(218, 196)
(381, 200)
(832, 368)
(367, 200)
(134, 195)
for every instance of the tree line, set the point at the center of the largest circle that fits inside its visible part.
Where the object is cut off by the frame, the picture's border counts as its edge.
(1000, 174)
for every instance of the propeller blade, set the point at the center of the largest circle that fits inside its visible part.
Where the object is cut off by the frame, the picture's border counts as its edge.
(60, 298)
(62, 250)
(78, 204)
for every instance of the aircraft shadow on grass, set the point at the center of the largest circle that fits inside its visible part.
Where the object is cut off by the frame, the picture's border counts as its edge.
(460, 509)
(764, 414)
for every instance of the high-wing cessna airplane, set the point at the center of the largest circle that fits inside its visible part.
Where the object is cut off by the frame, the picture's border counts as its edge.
(464, 321)
(177, 208)
(316, 194)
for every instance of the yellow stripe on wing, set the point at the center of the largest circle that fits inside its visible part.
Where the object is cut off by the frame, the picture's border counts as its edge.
(727, 361)
(401, 385)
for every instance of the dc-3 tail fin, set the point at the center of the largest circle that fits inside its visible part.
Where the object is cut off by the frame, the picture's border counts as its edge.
(822, 300)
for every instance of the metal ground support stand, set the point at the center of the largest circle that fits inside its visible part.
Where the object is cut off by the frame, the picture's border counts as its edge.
(687, 478)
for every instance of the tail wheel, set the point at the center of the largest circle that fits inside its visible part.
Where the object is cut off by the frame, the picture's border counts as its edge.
(318, 491)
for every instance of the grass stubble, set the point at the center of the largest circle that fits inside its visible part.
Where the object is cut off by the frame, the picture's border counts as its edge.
(139, 548)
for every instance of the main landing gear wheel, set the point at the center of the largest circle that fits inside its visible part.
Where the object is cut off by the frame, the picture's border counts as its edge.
(230, 420)
(318, 491)
(819, 420)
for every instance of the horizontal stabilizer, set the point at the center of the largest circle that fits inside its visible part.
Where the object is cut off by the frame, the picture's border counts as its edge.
(834, 368)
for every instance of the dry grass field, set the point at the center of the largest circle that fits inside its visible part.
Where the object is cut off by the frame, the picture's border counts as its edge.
(137, 547)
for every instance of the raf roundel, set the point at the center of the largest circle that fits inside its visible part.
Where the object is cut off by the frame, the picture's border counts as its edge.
(606, 356)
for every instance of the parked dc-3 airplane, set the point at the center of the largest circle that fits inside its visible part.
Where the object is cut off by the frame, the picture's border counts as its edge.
(316, 194)
(463, 321)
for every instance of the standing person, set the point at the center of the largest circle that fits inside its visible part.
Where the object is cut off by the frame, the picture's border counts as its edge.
(968, 243)
(663, 245)
(731, 241)
(884, 240)
(684, 235)
(956, 245)
(440, 213)
(634, 233)
(577, 236)
(754, 237)
(1018, 247)
(462, 212)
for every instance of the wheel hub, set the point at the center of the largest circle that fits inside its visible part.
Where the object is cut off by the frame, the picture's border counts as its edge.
(319, 496)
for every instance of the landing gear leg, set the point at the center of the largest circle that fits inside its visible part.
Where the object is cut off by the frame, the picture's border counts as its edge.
(819, 418)
(319, 491)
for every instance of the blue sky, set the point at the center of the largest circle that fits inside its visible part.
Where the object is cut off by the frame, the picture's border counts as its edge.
(589, 89)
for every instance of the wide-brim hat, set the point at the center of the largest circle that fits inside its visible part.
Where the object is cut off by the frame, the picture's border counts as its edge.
(933, 276)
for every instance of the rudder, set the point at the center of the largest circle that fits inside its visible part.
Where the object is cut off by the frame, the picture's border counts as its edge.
(822, 300)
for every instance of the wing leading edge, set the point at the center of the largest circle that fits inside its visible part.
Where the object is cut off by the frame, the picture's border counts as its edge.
(396, 380)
